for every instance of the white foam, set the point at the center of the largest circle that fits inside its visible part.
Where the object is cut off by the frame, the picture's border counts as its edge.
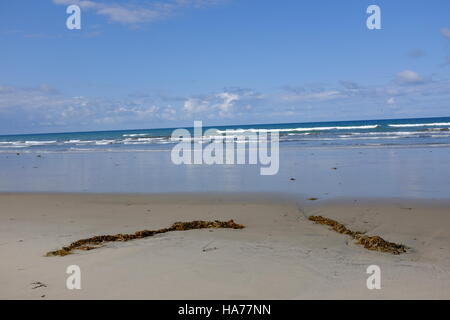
(299, 129)
(136, 135)
(37, 143)
(435, 124)
(14, 146)
(398, 133)
(104, 142)
(440, 136)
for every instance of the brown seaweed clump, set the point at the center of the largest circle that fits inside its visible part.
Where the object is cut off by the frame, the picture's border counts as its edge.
(375, 243)
(95, 242)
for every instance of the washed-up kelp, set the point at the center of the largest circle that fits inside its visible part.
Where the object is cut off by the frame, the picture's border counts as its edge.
(95, 242)
(375, 243)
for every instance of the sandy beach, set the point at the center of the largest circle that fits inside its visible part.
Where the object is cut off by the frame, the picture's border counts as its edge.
(279, 255)
(224, 150)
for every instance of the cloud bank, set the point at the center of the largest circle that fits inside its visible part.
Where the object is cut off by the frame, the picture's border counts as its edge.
(43, 108)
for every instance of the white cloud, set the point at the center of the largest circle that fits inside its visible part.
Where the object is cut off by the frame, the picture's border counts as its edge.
(409, 77)
(447, 60)
(391, 101)
(222, 103)
(169, 113)
(195, 105)
(226, 104)
(445, 32)
(350, 85)
(134, 13)
(324, 95)
(43, 108)
(48, 89)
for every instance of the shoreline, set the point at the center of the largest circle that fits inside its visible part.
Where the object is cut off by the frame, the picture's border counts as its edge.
(303, 199)
(361, 173)
(278, 255)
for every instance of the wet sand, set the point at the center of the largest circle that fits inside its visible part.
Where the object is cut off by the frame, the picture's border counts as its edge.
(413, 172)
(279, 255)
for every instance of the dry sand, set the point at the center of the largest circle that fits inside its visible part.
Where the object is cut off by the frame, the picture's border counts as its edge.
(279, 255)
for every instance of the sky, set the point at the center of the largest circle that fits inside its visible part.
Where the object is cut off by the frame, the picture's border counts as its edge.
(165, 63)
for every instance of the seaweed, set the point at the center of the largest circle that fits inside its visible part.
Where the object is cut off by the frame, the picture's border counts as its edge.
(374, 243)
(97, 241)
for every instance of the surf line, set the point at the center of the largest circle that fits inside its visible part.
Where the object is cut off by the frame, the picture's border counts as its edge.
(228, 149)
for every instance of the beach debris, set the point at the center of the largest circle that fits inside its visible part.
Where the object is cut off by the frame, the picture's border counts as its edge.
(207, 247)
(38, 284)
(97, 241)
(374, 243)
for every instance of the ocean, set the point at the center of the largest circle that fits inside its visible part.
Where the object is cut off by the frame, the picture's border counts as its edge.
(363, 133)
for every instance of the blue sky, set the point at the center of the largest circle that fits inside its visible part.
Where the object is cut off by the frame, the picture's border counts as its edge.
(146, 64)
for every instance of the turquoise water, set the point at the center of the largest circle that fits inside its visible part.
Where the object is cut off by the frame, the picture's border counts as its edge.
(404, 132)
